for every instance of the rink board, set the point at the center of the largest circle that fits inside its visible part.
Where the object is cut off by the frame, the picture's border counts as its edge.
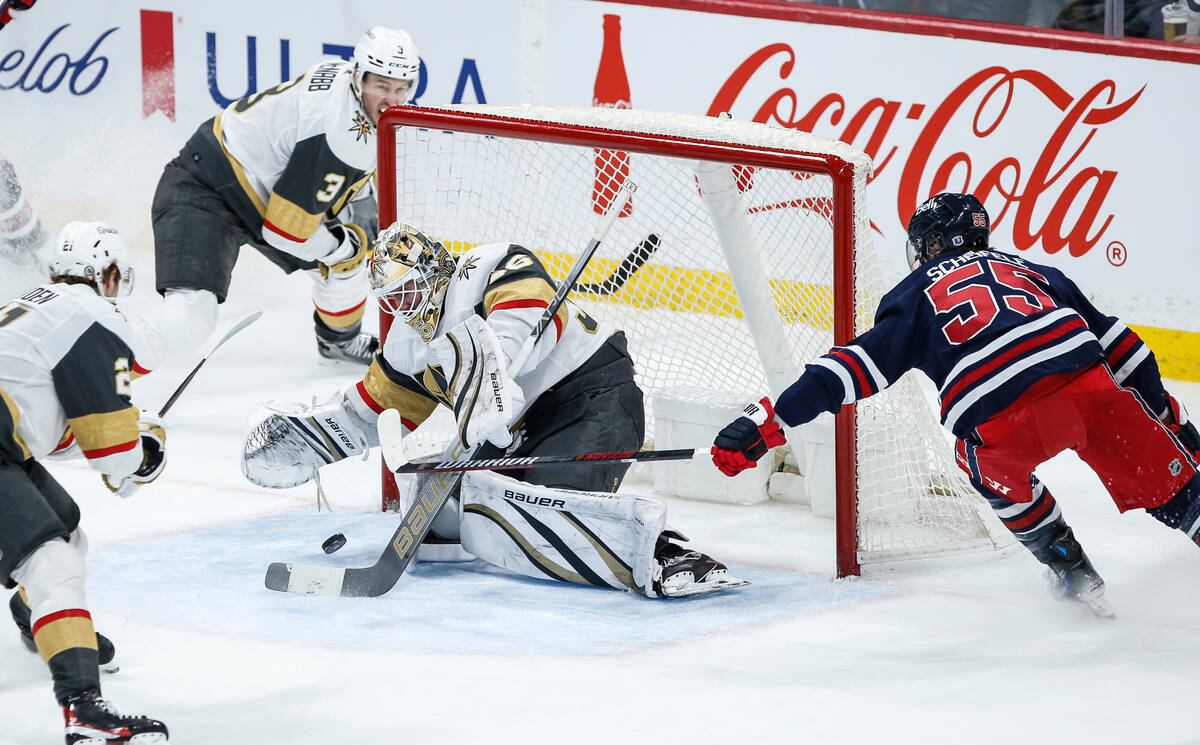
(212, 580)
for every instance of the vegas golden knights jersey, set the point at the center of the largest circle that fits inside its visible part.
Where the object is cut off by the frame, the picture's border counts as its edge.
(508, 286)
(300, 151)
(65, 369)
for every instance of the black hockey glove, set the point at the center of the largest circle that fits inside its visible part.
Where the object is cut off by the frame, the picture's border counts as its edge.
(153, 439)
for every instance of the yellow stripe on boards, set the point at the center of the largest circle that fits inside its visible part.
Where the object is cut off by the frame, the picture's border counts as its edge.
(700, 291)
(1177, 352)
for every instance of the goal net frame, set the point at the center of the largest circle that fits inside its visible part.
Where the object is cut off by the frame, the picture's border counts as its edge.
(845, 167)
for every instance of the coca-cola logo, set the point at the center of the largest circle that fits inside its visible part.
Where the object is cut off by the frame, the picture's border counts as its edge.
(1060, 175)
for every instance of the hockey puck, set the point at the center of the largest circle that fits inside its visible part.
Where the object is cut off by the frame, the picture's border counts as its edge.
(333, 543)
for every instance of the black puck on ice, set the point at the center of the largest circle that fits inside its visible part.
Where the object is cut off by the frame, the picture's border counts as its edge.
(333, 543)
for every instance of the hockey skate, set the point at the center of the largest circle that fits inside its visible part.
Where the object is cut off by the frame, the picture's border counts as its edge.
(21, 617)
(686, 572)
(348, 345)
(1072, 577)
(91, 720)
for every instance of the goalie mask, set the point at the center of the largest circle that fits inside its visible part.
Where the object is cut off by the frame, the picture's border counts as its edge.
(409, 275)
(946, 222)
(86, 250)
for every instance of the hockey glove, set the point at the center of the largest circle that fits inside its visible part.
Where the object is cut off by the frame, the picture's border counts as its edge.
(351, 252)
(746, 439)
(1177, 421)
(154, 458)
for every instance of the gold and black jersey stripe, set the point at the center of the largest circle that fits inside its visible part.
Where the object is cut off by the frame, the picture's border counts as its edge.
(384, 387)
(520, 281)
(92, 383)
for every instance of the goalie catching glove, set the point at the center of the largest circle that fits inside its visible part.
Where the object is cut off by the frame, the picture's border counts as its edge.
(468, 366)
(152, 438)
(288, 442)
(747, 439)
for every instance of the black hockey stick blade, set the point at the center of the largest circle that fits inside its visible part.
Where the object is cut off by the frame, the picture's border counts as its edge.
(626, 269)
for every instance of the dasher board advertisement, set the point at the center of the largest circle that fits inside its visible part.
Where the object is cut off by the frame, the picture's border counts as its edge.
(1083, 159)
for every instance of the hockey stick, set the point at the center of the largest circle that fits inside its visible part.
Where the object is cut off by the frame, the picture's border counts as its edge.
(626, 269)
(236, 328)
(531, 461)
(382, 576)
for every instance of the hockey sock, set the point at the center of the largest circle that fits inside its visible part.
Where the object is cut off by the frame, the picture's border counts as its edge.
(1183, 510)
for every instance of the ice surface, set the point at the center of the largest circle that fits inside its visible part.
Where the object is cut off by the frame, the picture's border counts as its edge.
(967, 650)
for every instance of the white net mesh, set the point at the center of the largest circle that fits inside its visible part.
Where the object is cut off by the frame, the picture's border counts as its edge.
(664, 276)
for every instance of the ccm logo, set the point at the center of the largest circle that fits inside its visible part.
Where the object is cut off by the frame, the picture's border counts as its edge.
(529, 499)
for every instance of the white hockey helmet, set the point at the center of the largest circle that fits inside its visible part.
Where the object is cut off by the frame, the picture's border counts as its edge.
(86, 250)
(409, 274)
(388, 52)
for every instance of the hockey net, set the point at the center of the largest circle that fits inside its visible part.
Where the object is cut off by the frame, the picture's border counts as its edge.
(726, 277)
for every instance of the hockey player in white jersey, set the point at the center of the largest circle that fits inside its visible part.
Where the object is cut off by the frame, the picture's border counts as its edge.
(66, 363)
(288, 172)
(460, 324)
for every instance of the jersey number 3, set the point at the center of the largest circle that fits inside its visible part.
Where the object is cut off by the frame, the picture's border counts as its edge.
(979, 302)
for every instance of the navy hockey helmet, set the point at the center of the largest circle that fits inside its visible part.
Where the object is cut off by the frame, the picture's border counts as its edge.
(946, 222)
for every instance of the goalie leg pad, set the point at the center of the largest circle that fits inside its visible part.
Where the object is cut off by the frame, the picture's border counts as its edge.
(287, 442)
(587, 538)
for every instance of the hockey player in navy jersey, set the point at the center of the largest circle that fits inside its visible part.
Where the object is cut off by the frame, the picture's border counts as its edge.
(66, 363)
(288, 172)
(1026, 367)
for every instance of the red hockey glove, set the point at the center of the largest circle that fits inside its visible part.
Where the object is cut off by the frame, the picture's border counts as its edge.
(1177, 421)
(747, 438)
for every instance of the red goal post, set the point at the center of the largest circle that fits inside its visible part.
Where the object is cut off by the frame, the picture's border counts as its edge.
(769, 264)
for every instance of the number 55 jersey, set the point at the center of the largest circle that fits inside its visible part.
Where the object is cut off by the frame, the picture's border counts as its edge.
(984, 326)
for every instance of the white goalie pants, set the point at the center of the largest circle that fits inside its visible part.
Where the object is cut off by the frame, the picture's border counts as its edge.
(586, 538)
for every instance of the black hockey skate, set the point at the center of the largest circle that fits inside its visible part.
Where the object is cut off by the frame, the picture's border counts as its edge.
(1072, 576)
(90, 720)
(347, 345)
(686, 572)
(21, 617)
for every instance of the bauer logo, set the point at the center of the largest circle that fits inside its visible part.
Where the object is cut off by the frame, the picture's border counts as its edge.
(533, 501)
(63, 59)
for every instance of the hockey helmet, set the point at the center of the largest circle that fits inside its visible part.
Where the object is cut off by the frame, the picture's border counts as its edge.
(946, 222)
(409, 274)
(387, 52)
(86, 250)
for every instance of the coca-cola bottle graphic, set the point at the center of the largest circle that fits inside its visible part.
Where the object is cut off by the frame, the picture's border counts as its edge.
(611, 91)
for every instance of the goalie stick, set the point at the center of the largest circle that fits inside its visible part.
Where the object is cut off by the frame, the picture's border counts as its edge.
(626, 269)
(433, 493)
(236, 328)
